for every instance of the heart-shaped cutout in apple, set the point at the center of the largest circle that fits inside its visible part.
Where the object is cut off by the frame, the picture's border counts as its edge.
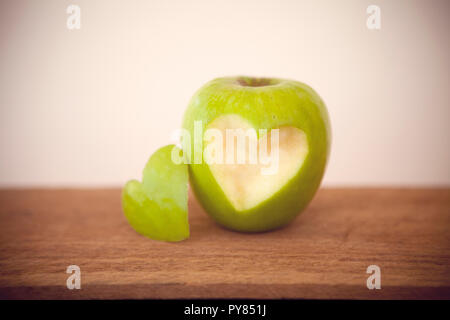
(249, 183)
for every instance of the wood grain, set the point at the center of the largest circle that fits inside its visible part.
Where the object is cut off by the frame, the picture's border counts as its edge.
(324, 253)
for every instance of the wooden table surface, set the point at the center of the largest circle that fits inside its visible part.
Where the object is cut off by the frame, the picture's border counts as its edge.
(324, 253)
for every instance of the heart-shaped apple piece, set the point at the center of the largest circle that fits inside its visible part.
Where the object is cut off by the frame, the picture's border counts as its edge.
(157, 207)
(247, 184)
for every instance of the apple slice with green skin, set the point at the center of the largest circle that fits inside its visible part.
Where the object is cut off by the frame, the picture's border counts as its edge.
(237, 196)
(157, 207)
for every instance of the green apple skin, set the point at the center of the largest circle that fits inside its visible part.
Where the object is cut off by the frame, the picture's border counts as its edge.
(266, 104)
(157, 207)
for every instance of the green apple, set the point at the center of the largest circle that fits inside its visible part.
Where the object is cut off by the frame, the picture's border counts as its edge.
(157, 207)
(239, 196)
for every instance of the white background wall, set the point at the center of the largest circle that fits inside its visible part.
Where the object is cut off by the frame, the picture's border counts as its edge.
(88, 107)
